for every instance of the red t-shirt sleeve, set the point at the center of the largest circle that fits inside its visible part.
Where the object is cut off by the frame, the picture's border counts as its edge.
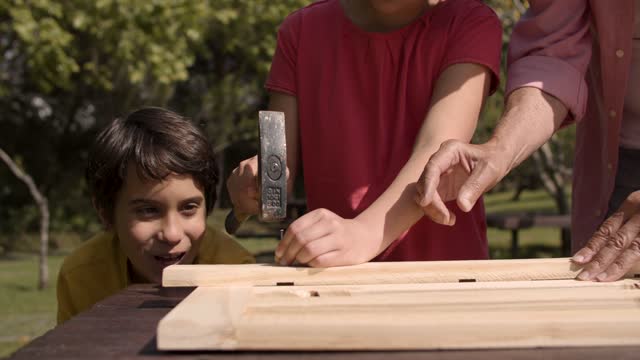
(476, 37)
(282, 76)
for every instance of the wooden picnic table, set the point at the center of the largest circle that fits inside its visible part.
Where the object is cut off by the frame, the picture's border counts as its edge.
(515, 222)
(124, 326)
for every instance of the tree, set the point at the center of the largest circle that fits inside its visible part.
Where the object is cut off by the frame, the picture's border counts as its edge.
(69, 67)
(41, 201)
(225, 89)
(74, 65)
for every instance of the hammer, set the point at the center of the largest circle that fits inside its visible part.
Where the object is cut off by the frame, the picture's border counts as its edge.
(272, 178)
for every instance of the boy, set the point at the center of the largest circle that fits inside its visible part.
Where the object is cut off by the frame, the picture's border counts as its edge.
(152, 177)
(370, 89)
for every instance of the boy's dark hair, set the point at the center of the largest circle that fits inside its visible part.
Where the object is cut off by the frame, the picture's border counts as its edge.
(159, 142)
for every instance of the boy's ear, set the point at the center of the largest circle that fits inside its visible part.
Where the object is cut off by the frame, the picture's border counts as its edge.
(104, 219)
(102, 214)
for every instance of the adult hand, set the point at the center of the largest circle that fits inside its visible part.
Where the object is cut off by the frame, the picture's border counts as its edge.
(242, 186)
(615, 246)
(459, 171)
(321, 238)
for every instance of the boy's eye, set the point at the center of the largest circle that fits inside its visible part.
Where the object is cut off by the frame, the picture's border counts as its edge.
(147, 212)
(190, 209)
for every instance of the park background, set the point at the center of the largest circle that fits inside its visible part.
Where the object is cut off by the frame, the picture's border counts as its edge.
(69, 67)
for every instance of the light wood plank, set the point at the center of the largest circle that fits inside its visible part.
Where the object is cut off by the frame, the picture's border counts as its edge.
(374, 273)
(405, 316)
(544, 293)
(210, 314)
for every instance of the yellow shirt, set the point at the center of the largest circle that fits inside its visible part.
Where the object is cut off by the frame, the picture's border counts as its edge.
(98, 268)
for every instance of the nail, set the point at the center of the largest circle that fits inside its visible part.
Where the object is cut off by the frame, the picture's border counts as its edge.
(602, 276)
(578, 258)
(584, 275)
(278, 251)
(283, 262)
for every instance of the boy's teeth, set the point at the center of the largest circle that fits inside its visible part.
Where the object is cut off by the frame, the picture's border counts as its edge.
(170, 258)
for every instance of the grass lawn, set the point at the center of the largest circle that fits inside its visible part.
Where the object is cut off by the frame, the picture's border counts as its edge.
(534, 242)
(26, 313)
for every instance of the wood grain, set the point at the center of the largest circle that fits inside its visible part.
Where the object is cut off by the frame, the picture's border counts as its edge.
(124, 327)
(511, 314)
(374, 273)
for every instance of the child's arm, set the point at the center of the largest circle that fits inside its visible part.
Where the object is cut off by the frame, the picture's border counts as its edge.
(549, 53)
(242, 183)
(322, 238)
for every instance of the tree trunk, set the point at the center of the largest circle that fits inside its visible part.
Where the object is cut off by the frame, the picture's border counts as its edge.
(41, 201)
(43, 278)
(553, 174)
(519, 189)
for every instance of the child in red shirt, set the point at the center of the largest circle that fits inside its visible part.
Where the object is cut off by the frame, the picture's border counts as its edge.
(370, 89)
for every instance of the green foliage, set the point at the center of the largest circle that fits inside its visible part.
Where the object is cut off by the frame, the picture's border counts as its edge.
(71, 66)
(17, 222)
(106, 43)
(509, 14)
(225, 85)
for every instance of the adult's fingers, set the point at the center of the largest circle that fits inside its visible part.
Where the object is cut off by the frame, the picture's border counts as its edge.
(483, 176)
(606, 231)
(440, 162)
(629, 208)
(438, 212)
(610, 253)
(628, 237)
(623, 263)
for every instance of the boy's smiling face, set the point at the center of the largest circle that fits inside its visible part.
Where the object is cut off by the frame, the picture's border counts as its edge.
(159, 223)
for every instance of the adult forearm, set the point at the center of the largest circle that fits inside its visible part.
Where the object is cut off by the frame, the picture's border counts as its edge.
(530, 118)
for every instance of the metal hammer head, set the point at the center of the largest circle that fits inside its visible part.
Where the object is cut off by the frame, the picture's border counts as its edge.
(272, 167)
(272, 172)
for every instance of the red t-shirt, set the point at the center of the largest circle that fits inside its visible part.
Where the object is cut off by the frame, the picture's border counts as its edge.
(362, 98)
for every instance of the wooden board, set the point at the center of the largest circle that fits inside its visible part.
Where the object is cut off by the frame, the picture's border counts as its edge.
(408, 309)
(374, 273)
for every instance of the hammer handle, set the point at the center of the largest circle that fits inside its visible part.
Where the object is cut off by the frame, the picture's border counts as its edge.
(233, 221)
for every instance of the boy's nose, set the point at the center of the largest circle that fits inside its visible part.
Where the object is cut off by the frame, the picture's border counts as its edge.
(172, 231)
